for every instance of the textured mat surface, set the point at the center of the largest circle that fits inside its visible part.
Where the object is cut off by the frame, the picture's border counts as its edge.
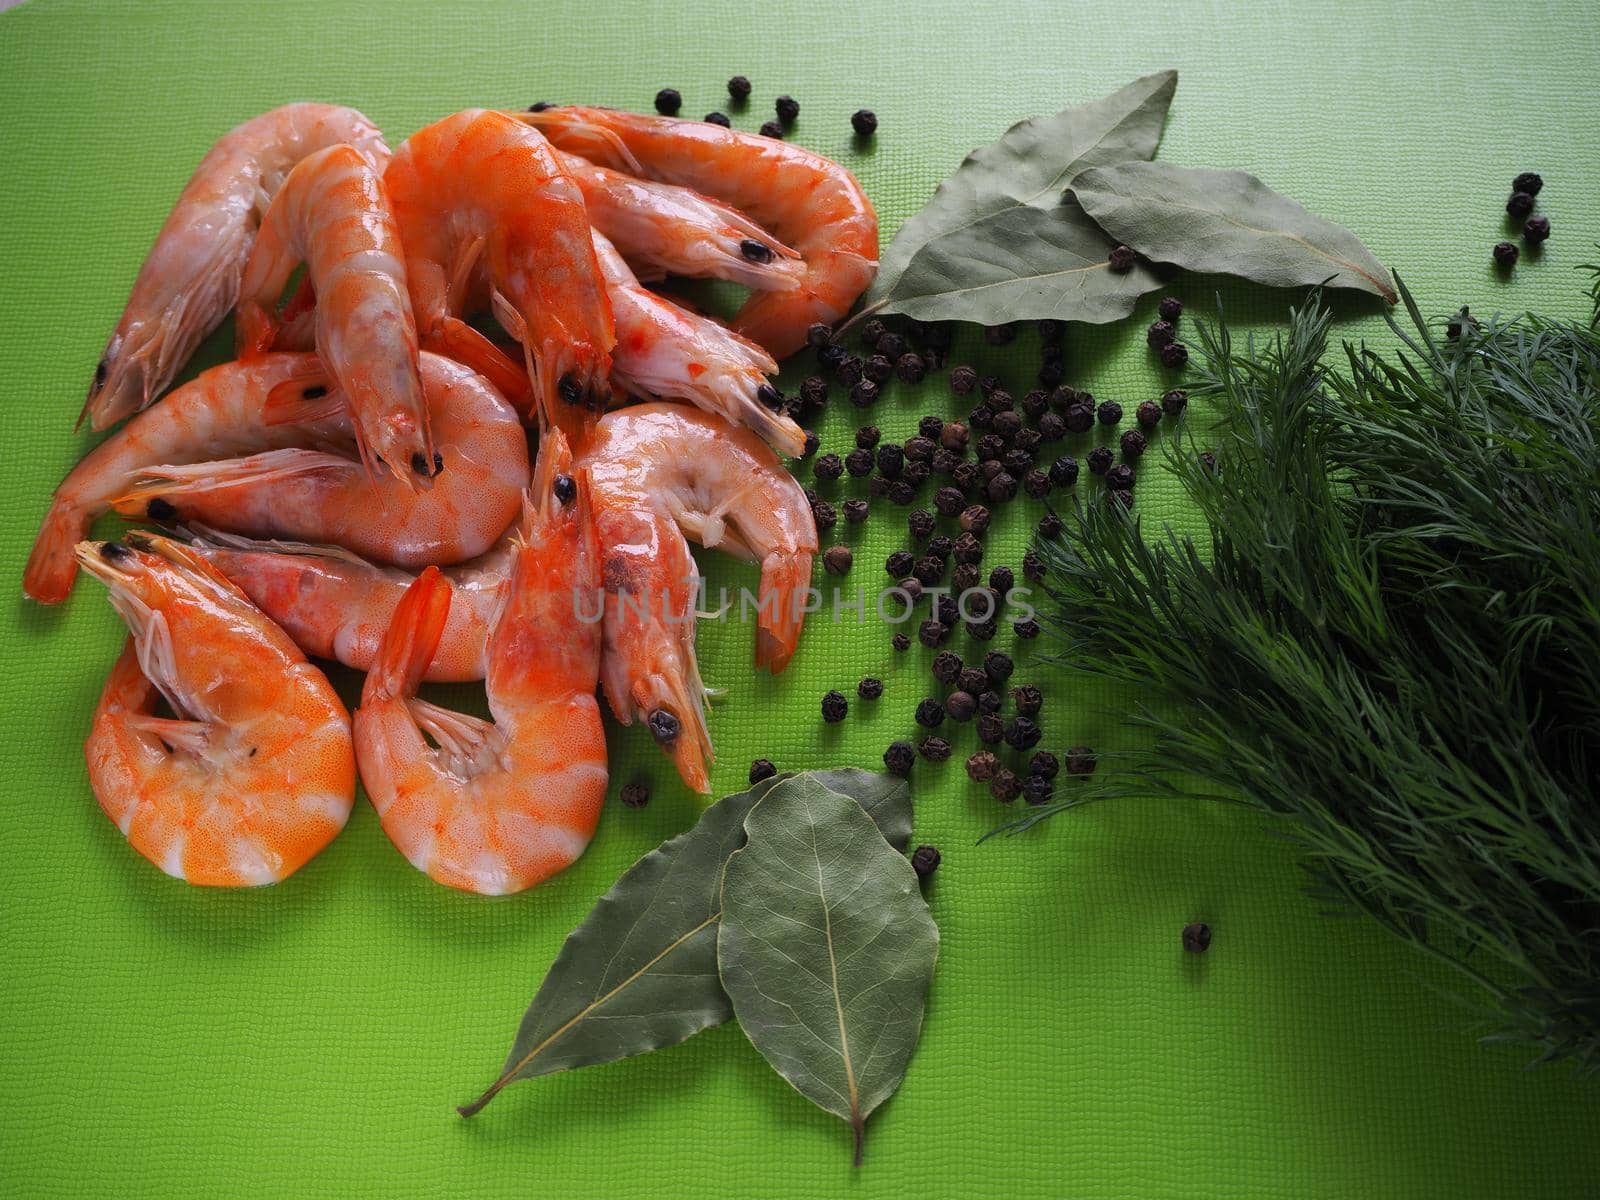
(311, 1039)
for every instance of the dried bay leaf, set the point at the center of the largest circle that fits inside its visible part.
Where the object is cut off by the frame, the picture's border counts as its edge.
(1010, 190)
(826, 949)
(640, 972)
(1226, 223)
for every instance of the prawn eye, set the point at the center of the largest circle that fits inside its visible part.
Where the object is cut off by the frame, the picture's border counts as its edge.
(315, 392)
(566, 489)
(115, 552)
(757, 252)
(664, 725)
(569, 388)
(770, 396)
(100, 372)
(161, 509)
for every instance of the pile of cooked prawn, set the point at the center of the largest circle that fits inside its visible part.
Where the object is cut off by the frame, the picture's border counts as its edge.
(358, 484)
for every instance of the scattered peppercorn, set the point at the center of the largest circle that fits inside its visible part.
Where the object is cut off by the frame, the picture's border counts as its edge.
(1505, 255)
(1109, 412)
(948, 612)
(1002, 487)
(924, 860)
(1121, 259)
(967, 548)
(856, 510)
(814, 390)
(982, 766)
(930, 713)
(1049, 527)
(828, 467)
(739, 88)
(1017, 461)
(1174, 402)
(1079, 418)
(760, 769)
(1099, 460)
(1007, 423)
(964, 578)
(1133, 443)
(1032, 566)
(933, 633)
(997, 665)
(947, 666)
(910, 368)
(823, 514)
(668, 102)
(878, 369)
(1208, 460)
(1080, 761)
(771, 129)
(1120, 476)
(962, 380)
(717, 118)
(1174, 355)
(1036, 790)
(934, 749)
(864, 393)
(1197, 937)
(899, 757)
(991, 729)
(1027, 630)
(999, 335)
(829, 358)
(635, 794)
(1528, 182)
(1520, 204)
(1536, 230)
(974, 518)
(859, 463)
(1036, 484)
(1051, 373)
(787, 109)
(1044, 764)
(1148, 415)
(902, 492)
(900, 642)
(664, 725)
(1005, 786)
(1158, 335)
(1027, 700)
(864, 121)
(981, 416)
(834, 707)
(836, 559)
(891, 460)
(1171, 309)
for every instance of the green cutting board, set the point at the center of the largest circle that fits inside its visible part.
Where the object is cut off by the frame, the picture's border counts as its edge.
(312, 1039)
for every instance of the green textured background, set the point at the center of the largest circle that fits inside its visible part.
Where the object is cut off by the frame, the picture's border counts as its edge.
(311, 1039)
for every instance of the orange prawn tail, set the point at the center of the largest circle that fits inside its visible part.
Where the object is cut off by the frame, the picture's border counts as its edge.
(785, 585)
(51, 566)
(410, 641)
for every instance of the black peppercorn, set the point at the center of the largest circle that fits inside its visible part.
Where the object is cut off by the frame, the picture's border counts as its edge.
(1520, 204)
(739, 88)
(1036, 789)
(1148, 414)
(1052, 427)
(891, 345)
(982, 766)
(863, 393)
(668, 102)
(991, 729)
(973, 680)
(916, 474)
(787, 109)
(1197, 937)
(910, 368)
(946, 666)
(924, 859)
(1005, 786)
(1109, 412)
(947, 611)
(1171, 309)
(967, 548)
(920, 522)
(1079, 418)
(834, 707)
(1528, 182)
(901, 492)
(1064, 471)
(814, 390)
(1120, 476)
(1174, 402)
(962, 380)
(664, 725)
(1027, 630)
(1121, 498)
(872, 331)
(829, 358)
(989, 385)
(717, 118)
(943, 462)
(864, 121)
(1002, 487)
(856, 511)
(1133, 443)
(878, 369)
(999, 335)
(1027, 700)
(899, 564)
(1208, 460)
(1051, 373)
(981, 416)
(1080, 761)
(1007, 423)
(968, 475)
(1505, 255)
(859, 462)
(933, 633)
(1099, 460)
(931, 427)
(828, 467)
(954, 436)
(998, 666)
(1121, 259)
(760, 769)
(983, 631)
(934, 749)
(1536, 230)
(964, 578)
(824, 515)
(947, 500)
(900, 641)
(636, 794)
(919, 448)
(930, 714)
(836, 560)
(1174, 355)
(1044, 765)
(1050, 527)
(771, 129)
(1032, 566)
(1016, 462)
(990, 701)
(1158, 335)
(1036, 484)
(899, 757)
(990, 445)
(891, 460)
(929, 570)
(974, 518)
(867, 437)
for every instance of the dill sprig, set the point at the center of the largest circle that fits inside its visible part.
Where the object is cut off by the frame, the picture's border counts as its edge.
(1392, 639)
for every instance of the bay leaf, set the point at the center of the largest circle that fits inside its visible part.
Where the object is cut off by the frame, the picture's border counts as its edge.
(1226, 223)
(640, 972)
(1026, 168)
(826, 949)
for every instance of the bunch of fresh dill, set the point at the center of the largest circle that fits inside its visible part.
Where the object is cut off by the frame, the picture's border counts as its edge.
(1392, 639)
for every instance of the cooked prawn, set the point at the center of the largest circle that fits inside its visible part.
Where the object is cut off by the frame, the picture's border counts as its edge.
(327, 496)
(480, 185)
(333, 215)
(664, 350)
(255, 773)
(813, 204)
(664, 229)
(336, 604)
(658, 471)
(190, 278)
(497, 807)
